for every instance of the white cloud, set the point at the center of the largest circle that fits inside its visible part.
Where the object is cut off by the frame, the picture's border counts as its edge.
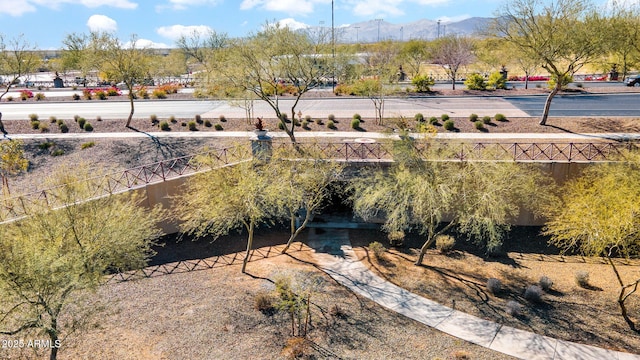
(186, 4)
(18, 8)
(294, 7)
(292, 24)
(174, 32)
(102, 23)
(15, 8)
(447, 19)
(378, 8)
(146, 44)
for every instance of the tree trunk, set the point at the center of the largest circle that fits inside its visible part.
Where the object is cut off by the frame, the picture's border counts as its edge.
(547, 104)
(131, 103)
(296, 232)
(622, 297)
(249, 246)
(423, 249)
(1, 124)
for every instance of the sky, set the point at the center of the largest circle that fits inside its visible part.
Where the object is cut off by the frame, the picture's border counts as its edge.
(45, 23)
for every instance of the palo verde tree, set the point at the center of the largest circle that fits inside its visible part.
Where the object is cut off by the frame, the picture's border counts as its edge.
(561, 36)
(431, 194)
(52, 257)
(12, 161)
(623, 33)
(452, 52)
(599, 215)
(204, 52)
(275, 59)
(238, 196)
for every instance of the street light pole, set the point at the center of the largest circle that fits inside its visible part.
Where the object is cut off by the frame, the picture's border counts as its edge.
(333, 49)
(378, 20)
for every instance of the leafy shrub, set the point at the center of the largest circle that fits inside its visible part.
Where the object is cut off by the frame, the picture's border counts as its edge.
(545, 283)
(494, 286)
(433, 120)
(113, 91)
(222, 118)
(81, 122)
(87, 145)
(479, 125)
(35, 124)
(263, 302)
(75, 97)
(40, 96)
(331, 125)
(377, 249)
(172, 119)
(63, 128)
(207, 123)
(169, 88)
(497, 81)
(582, 278)
(159, 94)
(449, 125)
(192, 126)
(86, 94)
(164, 126)
(533, 293)
(43, 127)
(423, 83)
(343, 89)
(87, 126)
(280, 125)
(445, 243)
(285, 117)
(46, 145)
(486, 119)
(143, 93)
(76, 117)
(198, 119)
(500, 117)
(513, 308)
(218, 127)
(308, 118)
(331, 117)
(154, 119)
(475, 81)
(418, 117)
(100, 94)
(565, 81)
(57, 152)
(26, 94)
(355, 124)
(357, 117)
(305, 124)
(444, 117)
(59, 122)
(473, 117)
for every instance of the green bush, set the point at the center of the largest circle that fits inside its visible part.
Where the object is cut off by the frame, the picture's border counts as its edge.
(46, 145)
(357, 117)
(449, 125)
(473, 118)
(218, 127)
(35, 124)
(222, 118)
(33, 117)
(43, 127)
(192, 125)
(59, 122)
(494, 286)
(433, 120)
(419, 117)
(159, 94)
(500, 117)
(533, 294)
(377, 249)
(423, 83)
(75, 97)
(445, 243)
(57, 152)
(76, 117)
(53, 119)
(63, 128)
(87, 145)
(582, 278)
(285, 117)
(308, 118)
(88, 127)
(444, 117)
(305, 124)
(331, 125)
(355, 124)
(475, 81)
(479, 125)
(164, 126)
(81, 122)
(565, 81)
(154, 119)
(40, 96)
(9, 98)
(497, 81)
(331, 117)
(486, 119)
(172, 119)
(280, 125)
(198, 119)
(545, 283)
(101, 95)
(143, 93)
(207, 123)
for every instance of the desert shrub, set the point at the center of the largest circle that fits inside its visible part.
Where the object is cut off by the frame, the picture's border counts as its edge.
(26, 94)
(46, 145)
(579, 85)
(564, 81)
(461, 355)
(449, 125)
(100, 94)
(500, 117)
(76, 117)
(159, 94)
(75, 97)
(308, 118)
(418, 117)
(222, 118)
(280, 125)
(164, 126)
(377, 249)
(63, 128)
(143, 93)
(433, 120)
(305, 124)
(513, 308)
(331, 117)
(87, 145)
(263, 302)
(545, 283)
(53, 119)
(475, 81)
(35, 124)
(169, 88)
(81, 122)
(86, 94)
(285, 117)
(582, 278)
(486, 119)
(473, 117)
(192, 126)
(154, 119)
(33, 117)
(494, 286)
(9, 98)
(113, 91)
(336, 311)
(497, 81)
(296, 122)
(207, 123)
(183, 124)
(40, 96)
(479, 125)
(43, 127)
(218, 127)
(198, 119)
(331, 125)
(343, 89)
(98, 118)
(59, 122)
(355, 124)
(444, 117)
(445, 243)
(296, 348)
(357, 117)
(57, 152)
(172, 119)
(423, 83)
(87, 126)
(319, 121)
(533, 293)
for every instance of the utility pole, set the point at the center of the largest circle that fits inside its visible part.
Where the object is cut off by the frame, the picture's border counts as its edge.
(438, 37)
(357, 27)
(379, 21)
(333, 49)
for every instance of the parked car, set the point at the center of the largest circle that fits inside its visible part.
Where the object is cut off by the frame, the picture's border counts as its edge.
(633, 80)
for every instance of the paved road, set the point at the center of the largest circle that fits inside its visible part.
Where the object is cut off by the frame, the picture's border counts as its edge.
(522, 106)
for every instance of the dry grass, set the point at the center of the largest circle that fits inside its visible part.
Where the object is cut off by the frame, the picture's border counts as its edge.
(590, 316)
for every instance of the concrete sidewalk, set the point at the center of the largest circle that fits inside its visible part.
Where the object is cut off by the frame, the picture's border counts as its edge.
(335, 256)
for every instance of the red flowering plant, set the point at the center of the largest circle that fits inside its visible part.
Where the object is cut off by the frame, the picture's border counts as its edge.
(26, 94)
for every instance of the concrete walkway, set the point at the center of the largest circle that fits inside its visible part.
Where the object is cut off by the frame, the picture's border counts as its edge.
(335, 256)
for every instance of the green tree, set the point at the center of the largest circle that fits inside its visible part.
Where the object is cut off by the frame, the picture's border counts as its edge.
(423, 83)
(12, 161)
(76, 54)
(232, 197)
(453, 52)
(562, 36)
(623, 35)
(433, 196)
(204, 51)
(414, 53)
(599, 215)
(51, 257)
(373, 89)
